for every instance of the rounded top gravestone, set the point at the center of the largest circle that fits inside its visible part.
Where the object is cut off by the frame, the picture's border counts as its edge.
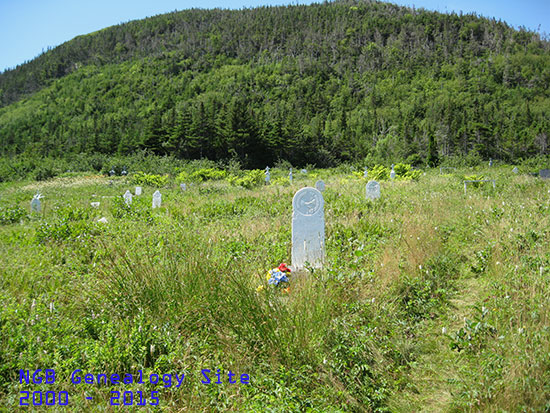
(320, 185)
(373, 190)
(308, 201)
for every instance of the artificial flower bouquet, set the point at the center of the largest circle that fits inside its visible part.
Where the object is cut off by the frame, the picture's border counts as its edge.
(278, 277)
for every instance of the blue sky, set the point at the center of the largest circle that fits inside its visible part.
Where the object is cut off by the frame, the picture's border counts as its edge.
(27, 27)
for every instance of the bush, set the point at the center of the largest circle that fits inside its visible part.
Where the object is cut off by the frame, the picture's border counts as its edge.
(12, 215)
(158, 181)
(250, 179)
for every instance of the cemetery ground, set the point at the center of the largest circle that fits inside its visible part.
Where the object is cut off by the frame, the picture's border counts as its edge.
(429, 299)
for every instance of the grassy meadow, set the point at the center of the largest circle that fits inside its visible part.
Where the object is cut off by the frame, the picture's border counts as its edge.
(430, 300)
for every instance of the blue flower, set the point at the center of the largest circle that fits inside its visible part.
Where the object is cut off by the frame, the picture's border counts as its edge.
(277, 277)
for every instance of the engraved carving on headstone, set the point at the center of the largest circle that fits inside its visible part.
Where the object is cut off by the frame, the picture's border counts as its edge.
(138, 190)
(320, 186)
(128, 198)
(308, 228)
(372, 190)
(157, 199)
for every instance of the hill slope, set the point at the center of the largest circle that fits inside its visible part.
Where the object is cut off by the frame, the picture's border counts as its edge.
(310, 84)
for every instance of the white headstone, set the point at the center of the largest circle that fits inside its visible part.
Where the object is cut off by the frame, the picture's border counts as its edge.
(138, 190)
(308, 228)
(128, 198)
(515, 170)
(373, 190)
(290, 175)
(112, 172)
(304, 171)
(490, 162)
(94, 204)
(35, 203)
(392, 173)
(183, 187)
(320, 186)
(366, 173)
(157, 199)
(103, 220)
(267, 176)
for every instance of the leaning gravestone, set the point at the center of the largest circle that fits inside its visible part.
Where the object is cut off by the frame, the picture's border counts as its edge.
(544, 173)
(138, 190)
(308, 228)
(373, 190)
(128, 198)
(157, 199)
(35, 203)
(320, 186)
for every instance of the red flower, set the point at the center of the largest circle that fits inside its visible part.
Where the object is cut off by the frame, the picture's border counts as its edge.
(282, 267)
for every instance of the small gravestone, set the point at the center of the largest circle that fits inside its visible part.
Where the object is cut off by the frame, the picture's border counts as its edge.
(308, 228)
(36, 206)
(515, 170)
(94, 204)
(157, 199)
(304, 171)
(290, 176)
(183, 187)
(138, 190)
(112, 172)
(490, 162)
(544, 173)
(320, 186)
(128, 198)
(267, 175)
(372, 190)
(392, 173)
(366, 172)
(124, 172)
(102, 220)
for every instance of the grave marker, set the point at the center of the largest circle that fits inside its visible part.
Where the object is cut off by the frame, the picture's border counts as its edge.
(138, 190)
(267, 175)
(308, 228)
(128, 198)
(304, 171)
(36, 205)
(112, 172)
(157, 199)
(290, 176)
(366, 173)
(372, 190)
(94, 204)
(515, 170)
(544, 173)
(392, 173)
(320, 186)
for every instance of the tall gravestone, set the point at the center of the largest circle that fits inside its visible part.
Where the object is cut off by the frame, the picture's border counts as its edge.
(308, 228)
(290, 176)
(366, 173)
(267, 175)
(320, 186)
(128, 198)
(373, 190)
(392, 173)
(138, 190)
(157, 199)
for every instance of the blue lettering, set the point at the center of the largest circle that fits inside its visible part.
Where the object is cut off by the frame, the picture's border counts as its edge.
(75, 380)
(204, 371)
(35, 378)
(88, 378)
(22, 376)
(167, 379)
(245, 379)
(156, 378)
(115, 378)
(50, 376)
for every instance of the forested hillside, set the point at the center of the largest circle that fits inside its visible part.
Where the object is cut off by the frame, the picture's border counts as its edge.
(318, 84)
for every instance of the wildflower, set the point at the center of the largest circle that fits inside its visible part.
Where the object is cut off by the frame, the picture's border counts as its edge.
(282, 267)
(260, 288)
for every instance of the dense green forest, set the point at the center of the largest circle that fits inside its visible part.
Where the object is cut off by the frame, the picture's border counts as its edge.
(321, 84)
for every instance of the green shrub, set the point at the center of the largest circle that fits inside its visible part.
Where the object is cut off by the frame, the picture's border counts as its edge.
(379, 173)
(12, 215)
(250, 179)
(158, 181)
